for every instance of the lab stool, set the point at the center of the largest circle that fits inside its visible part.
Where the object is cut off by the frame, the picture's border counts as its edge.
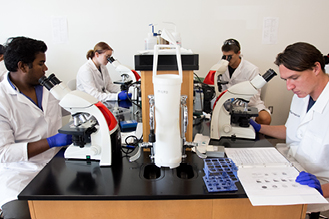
(314, 215)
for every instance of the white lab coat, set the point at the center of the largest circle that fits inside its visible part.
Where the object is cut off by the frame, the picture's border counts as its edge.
(246, 71)
(307, 135)
(3, 70)
(91, 81)
(21, 121)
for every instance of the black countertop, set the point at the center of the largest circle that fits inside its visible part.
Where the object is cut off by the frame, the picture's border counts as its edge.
(78, 180)
(63, 179)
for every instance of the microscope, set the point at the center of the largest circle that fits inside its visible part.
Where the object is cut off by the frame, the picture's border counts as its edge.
(124, 70)
(232, 120)
(129, 78)
(215, 73)
(95, 131)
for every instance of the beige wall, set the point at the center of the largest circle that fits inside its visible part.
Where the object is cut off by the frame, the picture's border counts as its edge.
(203, 25)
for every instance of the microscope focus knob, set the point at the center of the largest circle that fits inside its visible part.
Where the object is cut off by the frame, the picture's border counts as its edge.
(227, 128)
(95, 150)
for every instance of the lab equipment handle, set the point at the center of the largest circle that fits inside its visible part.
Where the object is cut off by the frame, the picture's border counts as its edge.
(178, 57)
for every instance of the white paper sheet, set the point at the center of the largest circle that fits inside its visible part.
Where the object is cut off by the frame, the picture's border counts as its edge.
(256, 156)
(272, 184)
(276, 186)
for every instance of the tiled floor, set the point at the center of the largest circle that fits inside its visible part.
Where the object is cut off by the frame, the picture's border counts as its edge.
(326, 214)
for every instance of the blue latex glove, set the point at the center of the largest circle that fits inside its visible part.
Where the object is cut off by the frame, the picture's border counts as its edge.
(310, 180)
(59, 140)
(123, 95)
(255, 125)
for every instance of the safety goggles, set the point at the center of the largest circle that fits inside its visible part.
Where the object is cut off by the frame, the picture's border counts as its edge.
(232, 42)
(229, 42)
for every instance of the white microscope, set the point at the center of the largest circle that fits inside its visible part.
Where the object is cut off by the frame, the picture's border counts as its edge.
(130, 78)
(233, 121)
(95, 131)
(215, 73)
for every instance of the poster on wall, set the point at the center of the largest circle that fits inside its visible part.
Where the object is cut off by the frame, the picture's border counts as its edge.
(270, 30)
(59, 30)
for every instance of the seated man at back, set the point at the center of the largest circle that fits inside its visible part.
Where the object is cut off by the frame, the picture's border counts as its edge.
(240, 70)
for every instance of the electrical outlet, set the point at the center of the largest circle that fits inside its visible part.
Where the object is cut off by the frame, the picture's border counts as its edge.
(271, 109)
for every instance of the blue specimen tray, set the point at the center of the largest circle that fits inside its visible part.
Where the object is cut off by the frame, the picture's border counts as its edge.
(221, 174)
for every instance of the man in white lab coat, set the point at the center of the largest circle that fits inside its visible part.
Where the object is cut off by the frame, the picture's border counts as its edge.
(301, 65)
(240, 70)
(29, 119)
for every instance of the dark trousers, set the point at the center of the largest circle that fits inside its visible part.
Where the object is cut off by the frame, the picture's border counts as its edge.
(17, 209)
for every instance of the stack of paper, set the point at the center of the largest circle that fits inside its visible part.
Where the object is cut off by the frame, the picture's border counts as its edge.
(268, 178)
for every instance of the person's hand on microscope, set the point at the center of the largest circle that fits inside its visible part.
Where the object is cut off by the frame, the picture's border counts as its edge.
(123, 95)
(255, 125)
(59, 140)
(310, 180)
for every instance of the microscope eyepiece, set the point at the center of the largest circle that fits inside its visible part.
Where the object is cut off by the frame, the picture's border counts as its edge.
(49, 82)
(228, 58)
(44, 81)
(54, 79)
(269, 75)
(110, 59)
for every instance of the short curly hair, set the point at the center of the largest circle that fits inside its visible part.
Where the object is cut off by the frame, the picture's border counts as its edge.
(22, 49)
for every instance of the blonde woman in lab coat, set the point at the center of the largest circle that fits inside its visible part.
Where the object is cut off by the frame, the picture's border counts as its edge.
(29, 119)
(301, 65)
(93, 77)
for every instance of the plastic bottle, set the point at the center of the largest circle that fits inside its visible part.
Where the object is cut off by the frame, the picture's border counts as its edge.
(177, 38)
(176, 35)
(151, 39)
